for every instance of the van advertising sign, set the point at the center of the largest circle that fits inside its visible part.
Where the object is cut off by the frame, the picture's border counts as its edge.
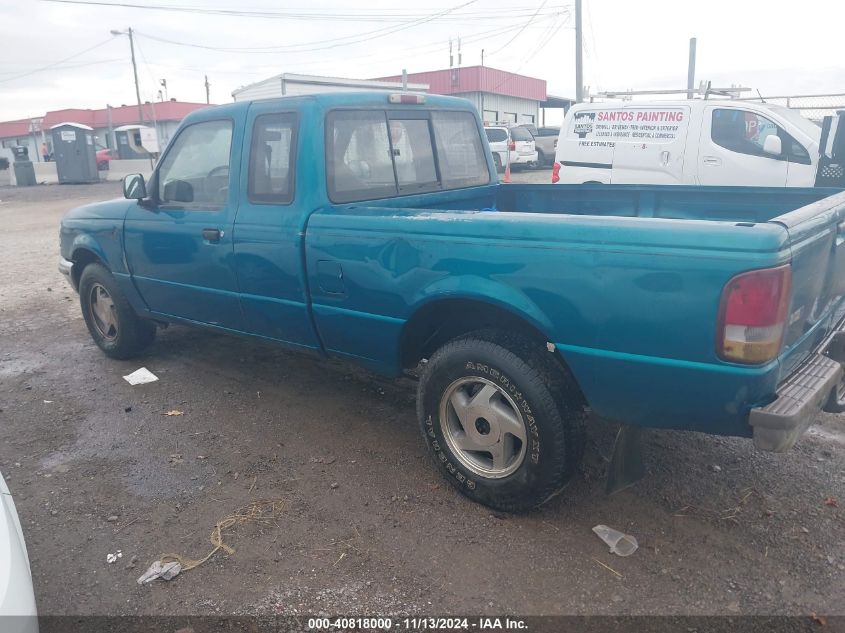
(630, 125)
(584, 123)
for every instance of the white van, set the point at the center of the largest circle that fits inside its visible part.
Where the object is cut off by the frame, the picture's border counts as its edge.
(690, 142)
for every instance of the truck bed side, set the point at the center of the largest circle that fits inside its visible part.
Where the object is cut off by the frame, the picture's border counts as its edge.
(630, 303)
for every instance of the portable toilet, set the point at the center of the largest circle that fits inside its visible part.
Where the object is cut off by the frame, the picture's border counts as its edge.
(129, 142)
(74, 153)
(24, 171)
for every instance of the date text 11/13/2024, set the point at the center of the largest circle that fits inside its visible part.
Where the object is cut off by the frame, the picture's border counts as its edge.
(416, 624)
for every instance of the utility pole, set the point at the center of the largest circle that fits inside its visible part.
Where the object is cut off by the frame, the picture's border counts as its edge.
(691, 68)
(207, 91)
(579, 61)
(134, 69)
(135, 72)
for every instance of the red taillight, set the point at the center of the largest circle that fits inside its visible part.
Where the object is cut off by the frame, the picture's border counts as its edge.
(512, 146)
(555, 173)
(752, 315)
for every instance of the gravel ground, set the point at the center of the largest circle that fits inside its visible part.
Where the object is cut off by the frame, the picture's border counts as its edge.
(365, 524)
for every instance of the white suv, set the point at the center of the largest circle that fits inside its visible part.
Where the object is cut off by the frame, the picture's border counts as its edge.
(512, 144)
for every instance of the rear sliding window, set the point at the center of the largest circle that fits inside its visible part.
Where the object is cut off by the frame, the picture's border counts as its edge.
(374, 154)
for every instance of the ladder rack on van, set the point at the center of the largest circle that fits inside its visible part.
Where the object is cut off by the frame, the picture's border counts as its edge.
(704, 90)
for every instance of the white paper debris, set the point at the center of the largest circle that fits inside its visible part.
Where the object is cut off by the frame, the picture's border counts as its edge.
(112, 558)
(140, 377)
(165, 571)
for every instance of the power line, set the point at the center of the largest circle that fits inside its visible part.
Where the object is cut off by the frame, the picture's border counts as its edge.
(542, 4)
(68, 66)
(359, 15)
(54, 64)
(330, 43)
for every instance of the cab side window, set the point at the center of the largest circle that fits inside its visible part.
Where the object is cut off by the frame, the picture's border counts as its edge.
(741, 131)
(271, 159)
(194, 174)
(745, 132)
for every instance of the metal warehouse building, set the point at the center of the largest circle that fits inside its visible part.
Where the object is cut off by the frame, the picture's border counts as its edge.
(498, 95)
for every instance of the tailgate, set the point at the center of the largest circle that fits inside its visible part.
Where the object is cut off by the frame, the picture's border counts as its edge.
(817, 243)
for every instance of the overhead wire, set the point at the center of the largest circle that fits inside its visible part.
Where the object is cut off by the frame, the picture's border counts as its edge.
(291, 13)
(54, 64)
(510, 41)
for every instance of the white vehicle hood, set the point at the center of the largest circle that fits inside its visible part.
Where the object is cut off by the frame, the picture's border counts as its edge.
(16, 595)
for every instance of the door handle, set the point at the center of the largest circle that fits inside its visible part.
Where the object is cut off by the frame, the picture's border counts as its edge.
(664, 158)
(212, 235)
(712, 160)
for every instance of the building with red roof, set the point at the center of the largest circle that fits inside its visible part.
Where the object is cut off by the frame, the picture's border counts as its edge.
(165, 116)
(497, 94)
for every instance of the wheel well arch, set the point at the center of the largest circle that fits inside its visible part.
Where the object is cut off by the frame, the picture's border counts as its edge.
(81, 258)
(442, 320)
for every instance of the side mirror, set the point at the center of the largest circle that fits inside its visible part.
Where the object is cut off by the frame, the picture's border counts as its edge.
(134, 187)
(772, 145)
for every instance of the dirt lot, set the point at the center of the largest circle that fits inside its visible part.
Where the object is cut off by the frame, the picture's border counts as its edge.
(367, 526)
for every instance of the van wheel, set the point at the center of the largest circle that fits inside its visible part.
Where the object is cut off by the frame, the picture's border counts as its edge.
(504, 421)
(541, 159)
(498, 163)
(111, 321)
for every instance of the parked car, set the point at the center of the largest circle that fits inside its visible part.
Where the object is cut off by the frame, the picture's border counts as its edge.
(385, 240)
(104, 157)
(545, 140)
(511, 143)
(692, 142)
(17, 600)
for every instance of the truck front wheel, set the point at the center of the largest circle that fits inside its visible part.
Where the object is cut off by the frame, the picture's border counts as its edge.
(111, 321)
(502, 419)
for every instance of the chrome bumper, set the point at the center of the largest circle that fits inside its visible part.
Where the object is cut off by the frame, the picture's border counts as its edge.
(807, 391)
(66, 268)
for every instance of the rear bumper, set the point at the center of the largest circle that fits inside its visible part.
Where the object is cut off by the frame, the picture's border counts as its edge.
(66, 268)
(522, 159)
(800, 397)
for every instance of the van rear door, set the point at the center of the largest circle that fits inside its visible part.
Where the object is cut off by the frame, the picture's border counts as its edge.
(585, 148)
(650, 144)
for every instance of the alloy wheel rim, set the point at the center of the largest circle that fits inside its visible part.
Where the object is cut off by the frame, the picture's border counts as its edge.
(103, 314)
(483, 427)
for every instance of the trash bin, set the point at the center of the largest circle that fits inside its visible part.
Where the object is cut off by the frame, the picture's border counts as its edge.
(74, 153)
(24, 170)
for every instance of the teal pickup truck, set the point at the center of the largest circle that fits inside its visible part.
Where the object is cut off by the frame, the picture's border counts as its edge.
(371, 228)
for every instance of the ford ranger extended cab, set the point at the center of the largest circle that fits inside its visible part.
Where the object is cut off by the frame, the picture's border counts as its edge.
(371, 228)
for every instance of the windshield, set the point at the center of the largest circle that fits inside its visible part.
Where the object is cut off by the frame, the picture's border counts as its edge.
(805, 125)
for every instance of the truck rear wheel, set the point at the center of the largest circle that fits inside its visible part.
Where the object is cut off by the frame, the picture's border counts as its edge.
(111, 321)
(502, 419)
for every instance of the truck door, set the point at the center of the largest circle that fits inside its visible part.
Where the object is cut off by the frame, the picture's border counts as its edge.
(269, 229)
(179, 252)
(731, 151)
(650, 144)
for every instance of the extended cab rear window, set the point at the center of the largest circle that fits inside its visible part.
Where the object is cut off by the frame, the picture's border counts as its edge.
(374, 154)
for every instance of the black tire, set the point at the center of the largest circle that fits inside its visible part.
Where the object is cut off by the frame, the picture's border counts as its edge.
(498, 163)
(548, 400)
(541, 159)
(130, 334)
(103, 165)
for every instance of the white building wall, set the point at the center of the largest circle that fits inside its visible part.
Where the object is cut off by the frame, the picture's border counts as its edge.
(526, 110)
